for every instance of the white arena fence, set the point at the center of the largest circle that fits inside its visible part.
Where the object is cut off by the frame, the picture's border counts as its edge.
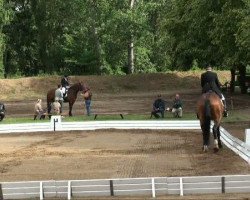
(156, 186)
(151, 187)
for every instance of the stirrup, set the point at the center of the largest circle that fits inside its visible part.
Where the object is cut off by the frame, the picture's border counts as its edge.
(225, 113)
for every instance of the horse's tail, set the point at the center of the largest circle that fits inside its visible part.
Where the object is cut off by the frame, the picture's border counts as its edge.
(207, 121)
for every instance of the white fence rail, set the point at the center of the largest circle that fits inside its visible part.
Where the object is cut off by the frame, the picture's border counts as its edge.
(153, 187)
(94, 125)
(236, 145)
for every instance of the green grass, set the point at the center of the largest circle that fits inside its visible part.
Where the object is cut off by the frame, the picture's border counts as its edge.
(233, 116)
(168, 116)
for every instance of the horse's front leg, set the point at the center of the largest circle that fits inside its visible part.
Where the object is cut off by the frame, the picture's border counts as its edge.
(70, 109)
(215, 133)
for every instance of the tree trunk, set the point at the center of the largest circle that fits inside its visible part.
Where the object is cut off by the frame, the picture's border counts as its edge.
(98, 50)
(242, 78)
(232, 82)
(131, 66)
(1, 43)
(94, 12)
(131, 56)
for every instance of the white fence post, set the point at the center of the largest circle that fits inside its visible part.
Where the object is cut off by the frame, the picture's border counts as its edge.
(181, 187)
(153, 187)
(41, 190)
(247, 136)
(69, 190)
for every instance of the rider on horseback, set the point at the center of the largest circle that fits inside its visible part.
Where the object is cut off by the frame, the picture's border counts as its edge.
(210, 81)
(65, 84)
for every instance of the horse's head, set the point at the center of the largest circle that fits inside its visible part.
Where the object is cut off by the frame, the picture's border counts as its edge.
(82, 86)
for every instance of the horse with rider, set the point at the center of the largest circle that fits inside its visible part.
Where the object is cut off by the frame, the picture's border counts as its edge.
(210, 82)
(211, 106)
(68, 93)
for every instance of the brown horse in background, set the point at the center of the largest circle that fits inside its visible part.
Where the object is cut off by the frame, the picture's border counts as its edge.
(210, 107)
(70, 98)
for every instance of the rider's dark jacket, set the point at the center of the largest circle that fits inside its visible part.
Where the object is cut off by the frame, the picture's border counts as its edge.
(64, 82)
(210, 81)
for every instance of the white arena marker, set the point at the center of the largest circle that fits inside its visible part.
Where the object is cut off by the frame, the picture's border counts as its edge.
(247, 137)
(56, 122)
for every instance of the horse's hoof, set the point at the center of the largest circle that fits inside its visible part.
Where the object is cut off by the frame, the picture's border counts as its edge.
(220, 146)
(205, 149)
(216, 150)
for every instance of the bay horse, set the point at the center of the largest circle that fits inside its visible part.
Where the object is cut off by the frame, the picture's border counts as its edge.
(210, 107)
(70, 98)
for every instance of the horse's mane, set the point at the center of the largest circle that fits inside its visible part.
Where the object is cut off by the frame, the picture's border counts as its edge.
(77, 84)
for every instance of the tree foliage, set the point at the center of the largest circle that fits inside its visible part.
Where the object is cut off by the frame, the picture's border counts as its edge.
(94, 36)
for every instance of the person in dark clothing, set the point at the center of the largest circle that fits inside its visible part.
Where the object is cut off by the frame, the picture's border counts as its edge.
(2, 111)
(158, 107)
(65, 84)
(210, 82)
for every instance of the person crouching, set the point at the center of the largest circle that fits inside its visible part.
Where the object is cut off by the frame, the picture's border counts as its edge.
(177, 106)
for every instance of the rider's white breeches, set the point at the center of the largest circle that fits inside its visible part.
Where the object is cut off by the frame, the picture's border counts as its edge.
(222, 97)
(63, 90)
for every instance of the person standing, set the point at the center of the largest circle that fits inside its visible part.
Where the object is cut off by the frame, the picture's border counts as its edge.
(177, 106)
(87, 95)
(210, 81)
(56, 107)
(38, 109)
(59, 96)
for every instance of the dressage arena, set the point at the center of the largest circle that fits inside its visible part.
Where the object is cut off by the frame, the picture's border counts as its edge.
(112, 154)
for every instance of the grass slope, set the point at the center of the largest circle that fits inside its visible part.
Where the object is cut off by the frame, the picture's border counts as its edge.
(36, 87)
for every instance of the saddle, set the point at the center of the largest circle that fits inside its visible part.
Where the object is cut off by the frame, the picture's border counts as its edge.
(214, 91)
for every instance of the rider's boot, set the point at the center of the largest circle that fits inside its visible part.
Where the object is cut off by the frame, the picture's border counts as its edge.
(225, 113)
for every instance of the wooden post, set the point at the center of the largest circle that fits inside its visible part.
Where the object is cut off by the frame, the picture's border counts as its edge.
(111, 187)
(1, 192)
(223, 184)
(232, 103)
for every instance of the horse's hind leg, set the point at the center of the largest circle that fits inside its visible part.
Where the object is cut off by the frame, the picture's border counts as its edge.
(218, 135)
(215, 133)
(205, 138)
